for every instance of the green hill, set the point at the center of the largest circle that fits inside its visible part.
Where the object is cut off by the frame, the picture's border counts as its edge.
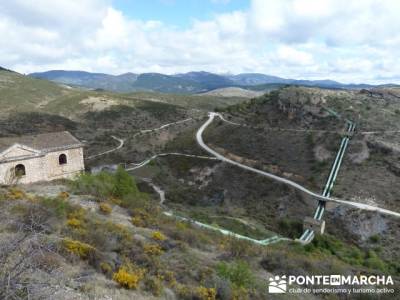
(19, 93)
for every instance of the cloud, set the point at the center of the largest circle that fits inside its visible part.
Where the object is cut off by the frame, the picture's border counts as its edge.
(344, 40)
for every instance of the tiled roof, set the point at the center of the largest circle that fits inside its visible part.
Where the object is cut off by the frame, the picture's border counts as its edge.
(43, 142)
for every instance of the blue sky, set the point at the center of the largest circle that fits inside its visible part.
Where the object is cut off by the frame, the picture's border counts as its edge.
(344, 40)
(178, 13)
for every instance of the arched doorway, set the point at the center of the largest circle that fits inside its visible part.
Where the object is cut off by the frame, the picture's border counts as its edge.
(62, 159)
(20, 170)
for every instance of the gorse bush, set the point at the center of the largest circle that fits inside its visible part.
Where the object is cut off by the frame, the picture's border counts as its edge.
(152, 249)
(206, 293)
(129, 278)
(74, 222)
(78, 248)
(15, 194)
(105, 208)
(63, 195)
(158, 236)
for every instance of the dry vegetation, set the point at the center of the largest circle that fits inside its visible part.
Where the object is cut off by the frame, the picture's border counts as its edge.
(158, 256)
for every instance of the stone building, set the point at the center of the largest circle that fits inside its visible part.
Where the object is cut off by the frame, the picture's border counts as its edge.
(42, 157)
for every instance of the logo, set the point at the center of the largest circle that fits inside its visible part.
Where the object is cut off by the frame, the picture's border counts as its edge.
(345, 284)
(277, 285)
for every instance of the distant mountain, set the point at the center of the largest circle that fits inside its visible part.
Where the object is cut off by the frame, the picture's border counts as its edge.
(186, 83)
(208, 81)
(256, 79)
(167, 84)
(120, 83)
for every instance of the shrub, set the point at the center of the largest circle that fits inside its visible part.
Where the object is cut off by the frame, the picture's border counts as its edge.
(374, 238)
(115, 201)
(138, 221)
(79, 213)
(63, 195)
(290, 228)
(74, 222)
(154, 286)
(158, 236)
(169, 278)
(128, 279)
(124, 184)
(105, 268)
(184, 291)
(206, 293)
(15, 194)
(182, 225)
(239, 248)
(374, 262)
(78, 248)
(105, 185)
(142, 218)
(105, 208)
(240, 293)
(59, 207)
(100, 185)
(152, 249)
(238, 273)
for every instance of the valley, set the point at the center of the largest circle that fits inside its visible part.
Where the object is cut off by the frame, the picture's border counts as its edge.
(253, 166)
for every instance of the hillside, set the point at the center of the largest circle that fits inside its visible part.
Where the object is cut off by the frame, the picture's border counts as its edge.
(21, 93)
(293, 132)
(78, 243)
(120, 83)
(233, 92)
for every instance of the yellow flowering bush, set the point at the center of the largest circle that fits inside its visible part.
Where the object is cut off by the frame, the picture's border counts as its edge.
(74, 222)
(206, 293)
(78, 248)
(141, 218)
(105, 267)
(79, 214)
(158, 236)
(15, 194)
(128, 279)
(137, 221)
(169, 278)
(63, 195)
(105, 208)
(152, 249)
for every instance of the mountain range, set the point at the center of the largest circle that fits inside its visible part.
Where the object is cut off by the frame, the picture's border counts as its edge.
(185, 83)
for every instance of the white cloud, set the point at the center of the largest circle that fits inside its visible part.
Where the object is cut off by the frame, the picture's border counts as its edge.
(294, 57)
(344, 40)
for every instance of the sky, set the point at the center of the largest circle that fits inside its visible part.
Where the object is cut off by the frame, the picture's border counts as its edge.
(351, 41)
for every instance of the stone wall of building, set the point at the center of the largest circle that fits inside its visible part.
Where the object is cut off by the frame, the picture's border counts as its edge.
(34, 167)
(73, 166)
(44, 168)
